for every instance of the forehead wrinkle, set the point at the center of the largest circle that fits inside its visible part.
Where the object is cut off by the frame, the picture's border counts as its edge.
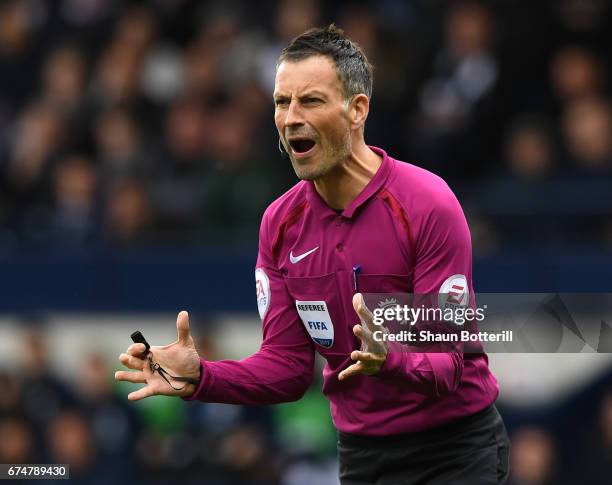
(310, 76)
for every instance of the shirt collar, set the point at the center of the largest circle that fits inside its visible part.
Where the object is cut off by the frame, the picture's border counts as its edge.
(371, 188)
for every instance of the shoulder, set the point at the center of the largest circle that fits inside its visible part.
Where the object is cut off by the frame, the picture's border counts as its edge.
(285, 207)
(287, 203)
(417, 188)
(425, 197)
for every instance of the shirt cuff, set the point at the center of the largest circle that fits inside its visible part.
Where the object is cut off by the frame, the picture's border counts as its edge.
(393, 363)
(203, 385)
(444, 372)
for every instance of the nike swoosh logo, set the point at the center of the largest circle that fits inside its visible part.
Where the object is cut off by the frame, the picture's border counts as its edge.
(297, 259)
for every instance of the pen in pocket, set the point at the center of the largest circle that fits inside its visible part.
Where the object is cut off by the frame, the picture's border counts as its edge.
(356, 271)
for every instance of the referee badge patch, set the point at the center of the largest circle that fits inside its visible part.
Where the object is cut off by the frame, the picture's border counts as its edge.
(262, 286)
(316, 320)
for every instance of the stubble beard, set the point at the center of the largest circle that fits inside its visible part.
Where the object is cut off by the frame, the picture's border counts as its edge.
(330, 161)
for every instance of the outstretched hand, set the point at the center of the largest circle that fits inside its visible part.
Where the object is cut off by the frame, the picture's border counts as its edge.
(178, 359)
(373, 353)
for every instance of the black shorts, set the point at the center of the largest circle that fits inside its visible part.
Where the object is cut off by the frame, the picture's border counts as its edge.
(473, 451)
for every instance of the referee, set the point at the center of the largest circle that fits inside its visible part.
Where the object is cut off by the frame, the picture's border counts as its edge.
(357, 222)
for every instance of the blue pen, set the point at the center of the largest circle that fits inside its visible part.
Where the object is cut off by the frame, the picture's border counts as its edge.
(356, 271)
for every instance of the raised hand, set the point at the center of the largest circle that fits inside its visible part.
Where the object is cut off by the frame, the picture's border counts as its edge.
(177, 359)
(373, 354)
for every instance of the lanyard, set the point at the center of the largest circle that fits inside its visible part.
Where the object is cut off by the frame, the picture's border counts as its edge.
(155, 367)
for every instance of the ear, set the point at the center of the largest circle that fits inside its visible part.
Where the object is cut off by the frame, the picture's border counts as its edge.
(358, 110)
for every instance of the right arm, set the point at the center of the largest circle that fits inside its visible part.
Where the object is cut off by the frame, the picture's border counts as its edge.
(280, 371)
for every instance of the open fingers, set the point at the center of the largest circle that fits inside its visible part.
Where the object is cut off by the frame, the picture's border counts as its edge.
(362, 333)
(351, 370)
(135, 377)
(136, 350)
(142, 393)
(364, 356)
(132, 362)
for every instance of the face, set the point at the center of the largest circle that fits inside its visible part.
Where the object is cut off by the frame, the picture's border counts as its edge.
(311, 116)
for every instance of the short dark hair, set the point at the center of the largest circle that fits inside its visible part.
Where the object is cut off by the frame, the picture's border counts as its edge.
(353, 68)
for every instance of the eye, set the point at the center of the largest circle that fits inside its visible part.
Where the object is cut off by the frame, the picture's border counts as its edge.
(280, 102)
(312, 100)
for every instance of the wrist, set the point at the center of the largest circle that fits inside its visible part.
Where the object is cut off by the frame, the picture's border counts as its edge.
(194, 390)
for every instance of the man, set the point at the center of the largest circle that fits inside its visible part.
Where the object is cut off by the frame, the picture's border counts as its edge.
(358, 221)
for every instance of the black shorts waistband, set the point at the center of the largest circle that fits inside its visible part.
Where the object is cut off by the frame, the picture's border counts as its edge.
(482, 418)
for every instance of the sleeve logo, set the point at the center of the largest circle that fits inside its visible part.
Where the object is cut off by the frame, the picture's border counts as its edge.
(262, 287)
(454, 292)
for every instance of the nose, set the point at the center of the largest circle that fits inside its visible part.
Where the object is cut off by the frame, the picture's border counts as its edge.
(295, 116)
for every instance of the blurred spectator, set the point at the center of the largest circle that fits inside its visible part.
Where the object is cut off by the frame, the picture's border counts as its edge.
(465, 69)
(359, 25)
(596, 468)
(582, 16)
(38, 136)
(530, 157)
(45, 396)
(187, 135)
(587, 127)
(576, 72)
(181, 168)
(533, 457)
(238, 176)
(16, 441)
(201, 75)
(70, 441)
(136, 29)
(117, 76)
(114, 425)
(128, 214)
(15, 26)
(452, 102)
(119, 148)
(74, 202)
(291, 18)
(246, 458)
(85, 13)
(10, 397)
(529, 149)
(63, 80)
(18, 59)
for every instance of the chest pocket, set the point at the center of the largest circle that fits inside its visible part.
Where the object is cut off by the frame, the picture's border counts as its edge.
(318, 304)
(382, 291)
(384, 283)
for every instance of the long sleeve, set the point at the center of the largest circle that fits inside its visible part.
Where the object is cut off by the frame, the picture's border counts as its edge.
(443, 253)
(282, 369)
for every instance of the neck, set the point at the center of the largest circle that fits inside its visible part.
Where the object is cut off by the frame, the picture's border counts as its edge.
(345, 182)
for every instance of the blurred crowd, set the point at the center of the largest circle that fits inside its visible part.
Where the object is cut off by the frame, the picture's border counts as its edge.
(131, 124)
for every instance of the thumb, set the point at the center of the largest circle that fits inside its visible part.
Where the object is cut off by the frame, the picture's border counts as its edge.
(182, 327)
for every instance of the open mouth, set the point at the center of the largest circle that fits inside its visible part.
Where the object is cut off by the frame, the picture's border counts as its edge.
(301, 145)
